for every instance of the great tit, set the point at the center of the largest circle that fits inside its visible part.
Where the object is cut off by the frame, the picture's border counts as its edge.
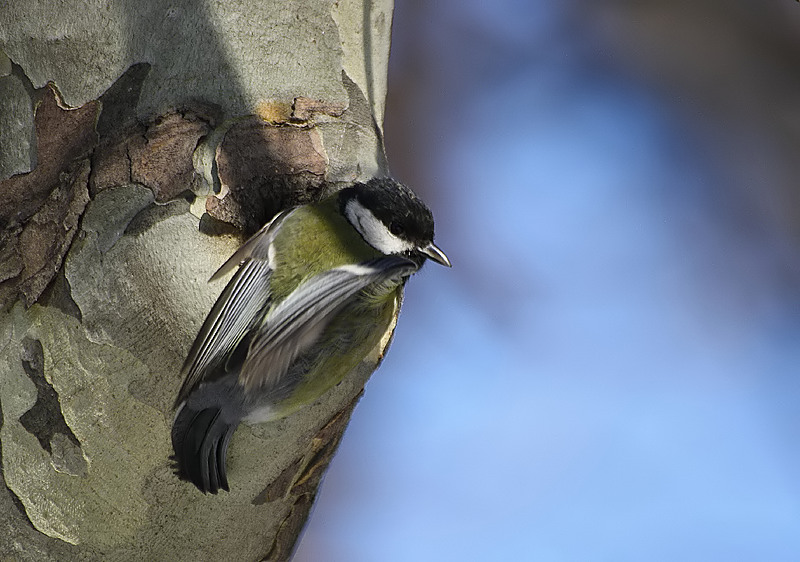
(314, 293)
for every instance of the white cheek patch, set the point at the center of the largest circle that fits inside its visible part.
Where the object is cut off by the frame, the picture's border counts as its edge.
(373, 230)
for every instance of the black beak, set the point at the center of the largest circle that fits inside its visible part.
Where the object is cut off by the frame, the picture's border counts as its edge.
(435, 254)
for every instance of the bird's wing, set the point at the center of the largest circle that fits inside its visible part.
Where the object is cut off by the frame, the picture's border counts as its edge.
(256, 247)
(295, 323)
(236, 309)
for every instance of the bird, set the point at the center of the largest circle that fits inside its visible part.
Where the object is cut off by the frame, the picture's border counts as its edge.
(315, 290)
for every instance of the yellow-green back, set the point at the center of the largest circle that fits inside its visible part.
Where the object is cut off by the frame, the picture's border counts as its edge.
(323, 239)
(313, 239)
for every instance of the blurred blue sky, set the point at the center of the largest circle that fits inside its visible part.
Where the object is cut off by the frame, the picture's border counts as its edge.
(609, 371)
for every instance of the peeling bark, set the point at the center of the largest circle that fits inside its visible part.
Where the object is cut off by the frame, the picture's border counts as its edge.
(40, 211)
(264, 168)
(138, 194)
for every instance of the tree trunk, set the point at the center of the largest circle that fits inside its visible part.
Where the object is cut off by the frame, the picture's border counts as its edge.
(140, 142)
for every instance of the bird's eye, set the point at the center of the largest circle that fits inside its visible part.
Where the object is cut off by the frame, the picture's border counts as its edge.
(396, 228)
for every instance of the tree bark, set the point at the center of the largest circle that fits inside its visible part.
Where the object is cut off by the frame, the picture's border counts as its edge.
(140, 143)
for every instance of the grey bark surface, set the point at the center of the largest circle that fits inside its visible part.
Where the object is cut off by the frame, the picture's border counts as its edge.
(139, 142)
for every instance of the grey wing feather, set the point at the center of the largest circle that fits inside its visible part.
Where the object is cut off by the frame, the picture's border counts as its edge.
(256, 247)
(296, 322)
(236, 309)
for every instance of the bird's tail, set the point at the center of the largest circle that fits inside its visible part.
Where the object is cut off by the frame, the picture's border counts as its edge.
(200, 439)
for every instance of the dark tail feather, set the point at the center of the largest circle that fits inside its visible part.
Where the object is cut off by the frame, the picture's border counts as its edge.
(200, 439)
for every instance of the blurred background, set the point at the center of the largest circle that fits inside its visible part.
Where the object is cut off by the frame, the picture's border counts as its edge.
(611, 370)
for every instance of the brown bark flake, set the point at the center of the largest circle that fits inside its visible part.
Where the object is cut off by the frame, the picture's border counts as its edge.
(265, 168)
(40, 210)
(162, 159)
(62, 136)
